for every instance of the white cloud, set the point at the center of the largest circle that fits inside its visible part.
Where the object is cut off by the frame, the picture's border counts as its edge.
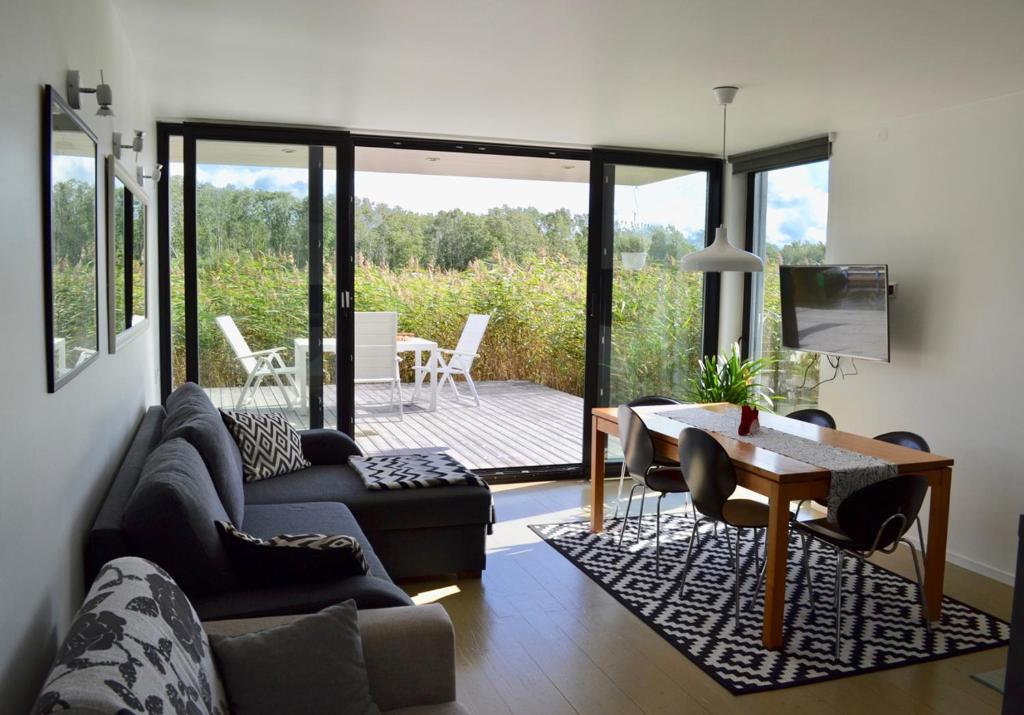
(797, 204)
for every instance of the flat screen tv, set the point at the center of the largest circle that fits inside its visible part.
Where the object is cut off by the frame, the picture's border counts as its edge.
(836, 310)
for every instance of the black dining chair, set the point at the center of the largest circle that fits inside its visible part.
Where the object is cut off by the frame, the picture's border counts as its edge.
(645, 401)
(872, 519)
(910, 440)
(814, 416)
(710, 474)
(639, 461)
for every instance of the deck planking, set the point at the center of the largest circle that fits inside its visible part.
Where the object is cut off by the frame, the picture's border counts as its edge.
(518, 423)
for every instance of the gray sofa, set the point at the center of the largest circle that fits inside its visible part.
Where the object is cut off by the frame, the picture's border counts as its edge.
(183, 472)
(136, 645)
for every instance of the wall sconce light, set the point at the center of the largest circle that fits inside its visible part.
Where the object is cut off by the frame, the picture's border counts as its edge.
(104, 95)
(135, 146)
(155, 176)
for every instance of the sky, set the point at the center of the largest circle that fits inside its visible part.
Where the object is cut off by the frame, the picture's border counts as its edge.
(797, 196)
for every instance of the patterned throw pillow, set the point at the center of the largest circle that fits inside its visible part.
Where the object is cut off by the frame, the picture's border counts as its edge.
(269, 445)
(302, 558)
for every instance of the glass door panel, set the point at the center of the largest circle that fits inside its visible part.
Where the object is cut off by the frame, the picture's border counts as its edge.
(657, 321)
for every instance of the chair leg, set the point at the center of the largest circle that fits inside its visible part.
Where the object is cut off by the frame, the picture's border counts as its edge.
(693, 509)
(839, 599)
(728, 543)
(640, 519)
(689, 554)
(757, 553)
(622, 531)
(920, 585)
(806, 558)
(618, 494)
(760, 575)
(736, 578)
(472, 387)
(657, 536)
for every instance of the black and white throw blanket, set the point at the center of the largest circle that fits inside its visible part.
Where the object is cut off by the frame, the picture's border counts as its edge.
(850, 470)
(413, 471)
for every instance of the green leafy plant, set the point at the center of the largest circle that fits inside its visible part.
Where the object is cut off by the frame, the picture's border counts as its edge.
(631, 242)
(730, 379)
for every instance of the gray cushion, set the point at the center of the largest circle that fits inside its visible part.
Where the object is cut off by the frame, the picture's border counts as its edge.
(170, 519)
(192, 416)
(135, 645)
(376, 511)
(312, 665)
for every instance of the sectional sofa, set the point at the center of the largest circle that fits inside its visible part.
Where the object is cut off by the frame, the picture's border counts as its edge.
(183, 472)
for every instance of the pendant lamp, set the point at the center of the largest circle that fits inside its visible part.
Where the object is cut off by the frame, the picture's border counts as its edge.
(722, 255)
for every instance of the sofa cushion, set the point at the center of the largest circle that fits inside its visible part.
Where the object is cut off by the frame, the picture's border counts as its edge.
(313, 664)
(379, 510)
(192, 416)
(292, 558)
(170, 519)
(268, 520)
(269, 445)
(136, 645)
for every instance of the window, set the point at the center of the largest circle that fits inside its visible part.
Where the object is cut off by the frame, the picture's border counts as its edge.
(788, 222)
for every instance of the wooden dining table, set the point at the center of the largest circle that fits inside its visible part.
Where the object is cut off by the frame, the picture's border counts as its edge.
(784, 480)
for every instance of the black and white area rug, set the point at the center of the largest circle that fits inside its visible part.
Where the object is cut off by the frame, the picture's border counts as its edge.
(882, 626)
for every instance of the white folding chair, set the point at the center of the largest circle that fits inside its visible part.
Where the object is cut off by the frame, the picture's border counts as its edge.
(375, 349)
(258, 365)
(460, 360)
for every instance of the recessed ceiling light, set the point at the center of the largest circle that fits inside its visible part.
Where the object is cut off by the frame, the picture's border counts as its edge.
(568, 166)
(433, 158)
(288, 150)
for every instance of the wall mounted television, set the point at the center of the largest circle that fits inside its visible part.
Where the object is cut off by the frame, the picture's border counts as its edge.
(840, 310)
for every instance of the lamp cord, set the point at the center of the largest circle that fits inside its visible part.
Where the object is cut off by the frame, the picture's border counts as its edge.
(725, 181)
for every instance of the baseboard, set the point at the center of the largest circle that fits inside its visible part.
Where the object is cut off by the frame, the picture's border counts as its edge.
(980, 568)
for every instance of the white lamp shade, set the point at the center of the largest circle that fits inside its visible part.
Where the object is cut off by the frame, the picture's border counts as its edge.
(722, 256)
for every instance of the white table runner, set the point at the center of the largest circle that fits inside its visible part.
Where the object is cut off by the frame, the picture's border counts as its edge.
(850, 470)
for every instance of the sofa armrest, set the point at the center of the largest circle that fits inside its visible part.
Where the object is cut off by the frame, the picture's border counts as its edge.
(328, 446)
(409, 652)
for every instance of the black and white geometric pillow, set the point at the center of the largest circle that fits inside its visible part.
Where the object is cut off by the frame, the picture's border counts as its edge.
(292, 558)
(270, 446)
(413, 471)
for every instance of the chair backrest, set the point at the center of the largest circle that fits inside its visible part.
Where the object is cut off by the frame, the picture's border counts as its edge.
(469, 341)
(238, 345)
(651, 400)
(375, 346)
(910, 440)
(814, 416)
(707, 470)
(637, 443)
(862, 514)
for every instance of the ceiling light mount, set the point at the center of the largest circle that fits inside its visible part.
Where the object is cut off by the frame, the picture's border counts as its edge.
(104, 94)
(135, 146)
(722, 255)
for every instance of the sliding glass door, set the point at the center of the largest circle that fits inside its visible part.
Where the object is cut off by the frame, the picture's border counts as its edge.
(259, 226)
(650, 321)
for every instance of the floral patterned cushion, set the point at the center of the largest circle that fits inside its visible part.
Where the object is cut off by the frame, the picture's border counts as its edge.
(135, 646)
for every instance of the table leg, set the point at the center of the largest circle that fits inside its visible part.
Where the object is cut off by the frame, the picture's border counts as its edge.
(777, 547)
(938, 525)
(417, 361)
(598, 441)
(433, 380)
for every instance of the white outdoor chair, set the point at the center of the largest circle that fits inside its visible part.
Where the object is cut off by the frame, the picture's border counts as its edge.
(258, 365)
(460, 360)
(375, 349)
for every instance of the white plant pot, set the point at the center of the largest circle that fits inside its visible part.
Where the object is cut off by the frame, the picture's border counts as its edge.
(634, 261)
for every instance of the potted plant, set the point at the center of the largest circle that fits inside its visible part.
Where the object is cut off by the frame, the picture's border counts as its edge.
(734, 380)
(632, 250)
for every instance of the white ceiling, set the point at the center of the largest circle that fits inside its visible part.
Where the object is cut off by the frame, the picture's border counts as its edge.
(575, 72)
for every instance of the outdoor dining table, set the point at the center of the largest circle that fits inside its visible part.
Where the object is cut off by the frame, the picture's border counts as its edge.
(784, 480)
(412, 344)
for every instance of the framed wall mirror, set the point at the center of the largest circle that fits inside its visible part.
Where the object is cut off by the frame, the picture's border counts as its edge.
(70, 241)
(127, 211)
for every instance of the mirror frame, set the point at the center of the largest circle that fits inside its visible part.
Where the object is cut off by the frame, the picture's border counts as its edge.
(52, 98)
(116, 336)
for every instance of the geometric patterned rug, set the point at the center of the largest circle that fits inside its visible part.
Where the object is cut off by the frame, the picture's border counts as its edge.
(882, 625)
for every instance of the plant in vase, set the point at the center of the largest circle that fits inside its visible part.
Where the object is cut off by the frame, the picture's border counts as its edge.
(734, 380)
(632, 248)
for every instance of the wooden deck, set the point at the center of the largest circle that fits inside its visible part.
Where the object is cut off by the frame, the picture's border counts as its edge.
(518, 423)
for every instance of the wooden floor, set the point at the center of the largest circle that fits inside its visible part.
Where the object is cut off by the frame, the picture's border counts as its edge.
(535, 635)
(518, 423)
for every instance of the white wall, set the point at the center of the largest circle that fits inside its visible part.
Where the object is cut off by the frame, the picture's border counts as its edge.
(57, 452)
(939, 198)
